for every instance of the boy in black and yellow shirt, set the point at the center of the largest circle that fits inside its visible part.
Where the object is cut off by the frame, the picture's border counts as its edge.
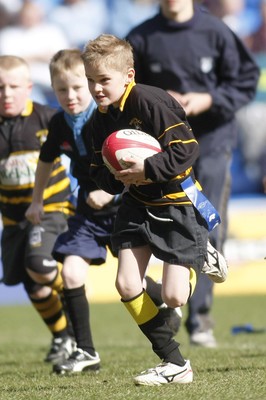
(26, 249)
(160, 217)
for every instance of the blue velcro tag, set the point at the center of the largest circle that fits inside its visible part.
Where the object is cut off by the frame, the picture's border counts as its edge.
(201, 203)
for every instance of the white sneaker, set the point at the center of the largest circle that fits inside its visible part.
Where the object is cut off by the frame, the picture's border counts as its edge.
(216, 266)
(165, 373)
(203, 339)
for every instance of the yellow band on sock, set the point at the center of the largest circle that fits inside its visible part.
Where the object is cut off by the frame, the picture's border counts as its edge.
(59, 325)
(51, 311)
(192, 280)
(142, 308)
(57, 283)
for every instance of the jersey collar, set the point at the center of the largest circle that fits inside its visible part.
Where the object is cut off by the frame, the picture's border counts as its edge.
(123, 98)
(28, 108)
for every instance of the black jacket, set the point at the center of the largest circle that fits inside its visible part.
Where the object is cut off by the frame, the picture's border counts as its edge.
(200, 55)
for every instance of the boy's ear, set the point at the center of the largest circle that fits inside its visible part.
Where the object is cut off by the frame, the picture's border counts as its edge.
(130, 75)
(30, 86)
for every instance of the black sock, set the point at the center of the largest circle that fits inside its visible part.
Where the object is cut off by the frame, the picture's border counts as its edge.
(154, 290)
(78, 308)
(161, 337)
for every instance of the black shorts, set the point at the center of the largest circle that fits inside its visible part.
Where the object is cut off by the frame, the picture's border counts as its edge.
(86, 238)
(18, 246)
(176, 234)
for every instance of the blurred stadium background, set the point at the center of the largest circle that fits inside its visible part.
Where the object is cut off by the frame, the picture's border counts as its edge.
(246, 244)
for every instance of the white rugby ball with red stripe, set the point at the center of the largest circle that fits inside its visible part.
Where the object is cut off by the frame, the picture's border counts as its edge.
(128, 143)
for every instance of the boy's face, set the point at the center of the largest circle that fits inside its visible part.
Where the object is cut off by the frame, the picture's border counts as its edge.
(15, 89)
(173, 8)
(71, 90)
(107, 85)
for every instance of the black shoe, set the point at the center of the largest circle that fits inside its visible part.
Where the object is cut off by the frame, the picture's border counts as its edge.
(61, 349)
(78, 361)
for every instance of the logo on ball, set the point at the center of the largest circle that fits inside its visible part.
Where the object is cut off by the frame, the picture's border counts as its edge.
(128, 143)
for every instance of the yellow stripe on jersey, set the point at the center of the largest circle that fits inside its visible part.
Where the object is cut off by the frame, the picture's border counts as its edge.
(17, 200)
(17, 187)
(182, 141)
(182, 175)
(56, 188)
(49, 192)
(175, 126)
(179, 195)
(192, 140)
(64, 207)
(8, 222)
(171, 127)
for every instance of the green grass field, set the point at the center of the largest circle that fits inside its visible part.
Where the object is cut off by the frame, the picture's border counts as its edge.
(236, 370)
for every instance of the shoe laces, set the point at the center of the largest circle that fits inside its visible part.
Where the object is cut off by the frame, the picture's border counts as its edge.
(157, 369)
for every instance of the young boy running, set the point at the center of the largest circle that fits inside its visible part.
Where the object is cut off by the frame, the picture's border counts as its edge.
(26, 249)
(90, 228)
(156, 218)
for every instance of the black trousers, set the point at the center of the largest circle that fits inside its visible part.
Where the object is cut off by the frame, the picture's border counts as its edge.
(212, 170)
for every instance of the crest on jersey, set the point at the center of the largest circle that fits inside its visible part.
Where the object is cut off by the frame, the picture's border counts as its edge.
(206, 64)
(42, 135)
(136, 123)
(156, 68)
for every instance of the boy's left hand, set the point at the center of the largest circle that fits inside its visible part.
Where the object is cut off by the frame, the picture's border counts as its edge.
(98, 199)
(134, 174)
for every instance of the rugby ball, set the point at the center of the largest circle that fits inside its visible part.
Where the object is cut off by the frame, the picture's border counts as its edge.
(128, 143)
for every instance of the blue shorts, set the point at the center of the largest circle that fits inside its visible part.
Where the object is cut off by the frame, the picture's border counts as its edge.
(87, 238)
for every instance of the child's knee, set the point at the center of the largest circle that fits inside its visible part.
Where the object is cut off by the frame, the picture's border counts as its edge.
(128, 289)
(177, 300)
(122, 287)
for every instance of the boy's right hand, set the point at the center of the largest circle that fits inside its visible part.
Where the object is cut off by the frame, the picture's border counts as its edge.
(34, 213)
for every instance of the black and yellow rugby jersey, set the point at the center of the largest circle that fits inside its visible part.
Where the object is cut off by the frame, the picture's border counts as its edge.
(154, 111)
(21, 138)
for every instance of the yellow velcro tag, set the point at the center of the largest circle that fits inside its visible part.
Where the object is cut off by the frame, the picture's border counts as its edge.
(192, 280)
(142, 308)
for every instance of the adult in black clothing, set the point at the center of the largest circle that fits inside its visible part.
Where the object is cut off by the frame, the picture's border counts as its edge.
(207, 69)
